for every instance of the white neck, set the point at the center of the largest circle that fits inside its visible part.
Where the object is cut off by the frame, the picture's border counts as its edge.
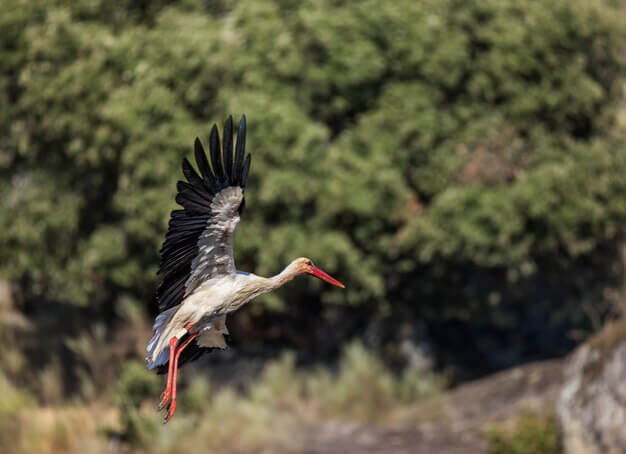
(258, 285)
(283, 277)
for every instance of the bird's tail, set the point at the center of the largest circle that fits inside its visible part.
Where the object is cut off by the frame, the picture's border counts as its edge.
(156, 358)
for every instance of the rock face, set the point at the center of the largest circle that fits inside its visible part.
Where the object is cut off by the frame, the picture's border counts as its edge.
(592, 402)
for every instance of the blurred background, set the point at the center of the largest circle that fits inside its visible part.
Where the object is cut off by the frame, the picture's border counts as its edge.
(460, 165)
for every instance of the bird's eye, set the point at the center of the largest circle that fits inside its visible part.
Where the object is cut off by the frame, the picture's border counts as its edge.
(309, 262)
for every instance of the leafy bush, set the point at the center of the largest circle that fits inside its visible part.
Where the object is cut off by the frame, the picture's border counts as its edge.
(362, 389)
(454, 162)
(365, 389)
(136, 384)
(532, 432)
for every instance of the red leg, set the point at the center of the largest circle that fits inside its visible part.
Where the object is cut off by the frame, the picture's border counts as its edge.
(167, 393)
(172, 407)
(165, 397)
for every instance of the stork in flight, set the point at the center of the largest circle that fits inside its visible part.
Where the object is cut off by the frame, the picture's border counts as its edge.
(200, 283)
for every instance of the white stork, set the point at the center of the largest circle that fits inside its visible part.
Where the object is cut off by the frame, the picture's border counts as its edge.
(201, 284)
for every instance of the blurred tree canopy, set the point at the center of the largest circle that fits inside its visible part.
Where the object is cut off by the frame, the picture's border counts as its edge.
(456, 162)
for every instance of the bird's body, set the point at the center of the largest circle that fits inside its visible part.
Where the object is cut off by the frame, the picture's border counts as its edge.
(206, 309)
(201, 284)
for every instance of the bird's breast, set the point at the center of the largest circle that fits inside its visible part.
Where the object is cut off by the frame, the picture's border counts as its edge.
(221, 295)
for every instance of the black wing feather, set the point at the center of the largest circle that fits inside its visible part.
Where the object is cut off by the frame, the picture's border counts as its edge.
(245, 170)
(228, 149)
(240, 150)
(216, 155)
(201, 160)
(190, 173)
(195, 195)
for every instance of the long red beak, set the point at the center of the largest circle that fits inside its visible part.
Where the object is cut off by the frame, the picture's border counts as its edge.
(315, 271)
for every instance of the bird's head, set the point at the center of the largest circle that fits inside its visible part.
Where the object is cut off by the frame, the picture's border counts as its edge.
(304, 265)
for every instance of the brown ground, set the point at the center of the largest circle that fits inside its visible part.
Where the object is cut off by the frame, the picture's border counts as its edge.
(458, 423)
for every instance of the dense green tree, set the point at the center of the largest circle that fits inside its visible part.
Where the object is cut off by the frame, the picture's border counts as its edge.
(455, 161)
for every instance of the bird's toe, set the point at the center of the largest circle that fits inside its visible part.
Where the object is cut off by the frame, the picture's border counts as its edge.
(170, 411)
(165, 398)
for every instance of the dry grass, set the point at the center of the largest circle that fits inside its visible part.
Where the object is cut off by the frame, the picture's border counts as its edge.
(26, 428)
(267, 413)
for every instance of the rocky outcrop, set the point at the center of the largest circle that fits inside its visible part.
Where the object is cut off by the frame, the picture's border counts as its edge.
(592, 402)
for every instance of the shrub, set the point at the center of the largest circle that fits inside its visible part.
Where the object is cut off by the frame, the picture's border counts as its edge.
(532, 433)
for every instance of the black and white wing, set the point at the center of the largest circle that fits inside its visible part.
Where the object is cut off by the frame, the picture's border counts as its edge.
(199, 243)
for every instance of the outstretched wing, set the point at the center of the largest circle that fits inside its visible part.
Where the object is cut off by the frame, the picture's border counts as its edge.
(199, 243)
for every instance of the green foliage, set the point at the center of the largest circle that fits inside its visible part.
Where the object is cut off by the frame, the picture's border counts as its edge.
(365, 389)
(459, 154)
(136, 384)
(532, 432)
(362, 389)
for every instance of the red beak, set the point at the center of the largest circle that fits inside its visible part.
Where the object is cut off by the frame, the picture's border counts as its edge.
(315, 271)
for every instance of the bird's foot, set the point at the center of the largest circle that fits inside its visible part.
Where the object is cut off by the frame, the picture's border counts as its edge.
(165, 398)
(170, 411)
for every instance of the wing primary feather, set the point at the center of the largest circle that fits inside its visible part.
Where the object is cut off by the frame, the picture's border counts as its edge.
(183, 186)
(173, 289)
(244, 171)
(182, 239)
(174, 264)
(240, 150)
(178, 252)
(210, 182)
(177, 260)
(201, 160)
(228, 149)
(192, 193)
(177, 214)
(189, 204)
(216, 158)
(190, 173)
(182, 227)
